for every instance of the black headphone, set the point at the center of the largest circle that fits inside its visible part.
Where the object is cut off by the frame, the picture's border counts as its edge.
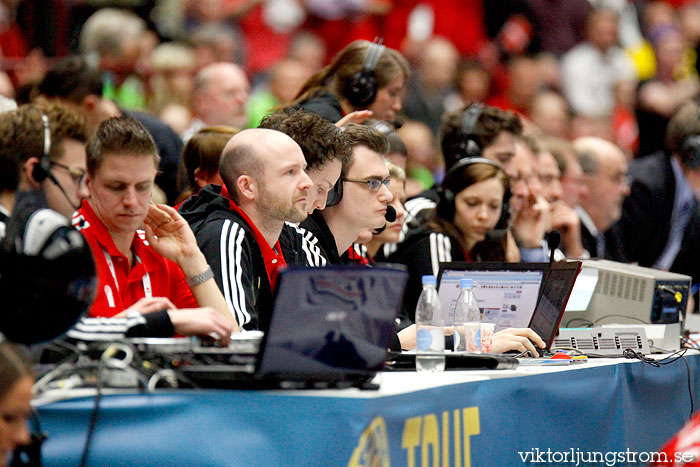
(42, 170)
(446, 198)
(335, 194)
(361, 88)
(468, 146)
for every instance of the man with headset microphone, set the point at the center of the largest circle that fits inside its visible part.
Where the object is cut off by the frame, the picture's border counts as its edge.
(49, 267)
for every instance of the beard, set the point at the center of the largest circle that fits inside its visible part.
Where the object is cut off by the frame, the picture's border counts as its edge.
(280, 209)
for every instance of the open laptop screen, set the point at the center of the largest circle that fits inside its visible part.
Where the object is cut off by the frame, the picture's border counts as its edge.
(331, 323)
(555, 294)
(506, 293)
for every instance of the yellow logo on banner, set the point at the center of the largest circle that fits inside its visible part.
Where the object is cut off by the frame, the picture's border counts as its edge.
(373, 448)
(425, 441)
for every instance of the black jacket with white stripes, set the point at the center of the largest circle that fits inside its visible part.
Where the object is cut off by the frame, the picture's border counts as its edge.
(422, 252)
(301, 247)
(229, 245)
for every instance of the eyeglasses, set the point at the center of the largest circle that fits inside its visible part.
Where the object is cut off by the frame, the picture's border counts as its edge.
(77, 174)
(374, 184)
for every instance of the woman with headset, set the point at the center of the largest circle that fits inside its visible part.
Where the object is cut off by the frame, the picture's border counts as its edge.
(15, 395)
(472, 200)
(468, 225)
(363, 76)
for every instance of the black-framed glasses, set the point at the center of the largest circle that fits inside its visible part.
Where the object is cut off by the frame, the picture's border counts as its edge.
(374, 184)
(76, 173)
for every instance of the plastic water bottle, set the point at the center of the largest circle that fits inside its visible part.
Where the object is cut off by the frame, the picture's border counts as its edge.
(430, 338)
(467, 323)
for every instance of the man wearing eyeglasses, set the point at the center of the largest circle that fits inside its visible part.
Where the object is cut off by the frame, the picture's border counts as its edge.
(605, 173)
(49, 144)
(359, 204)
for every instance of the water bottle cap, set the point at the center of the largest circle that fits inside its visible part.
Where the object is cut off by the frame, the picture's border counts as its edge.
(428, 280)
(466, 283)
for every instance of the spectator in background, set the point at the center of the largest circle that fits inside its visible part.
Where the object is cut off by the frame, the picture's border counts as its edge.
(661, 96)
(563, 217)
(591, 70)
(398, 152)
(423, 165)
(200, 158)
(221, 92)
(214, 43)
(286, 77)
(531, 213)
(329, 92)
(112, 40)
(558, 24)
(78, 85)
(306, 47)
(660, 220)
(432, 81)
(549, 111)
(572, 182)
(472, 84)
(523, 82)
(172, 76)
(605, 173)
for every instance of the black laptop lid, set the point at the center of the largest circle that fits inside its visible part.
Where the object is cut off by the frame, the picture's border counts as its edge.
(552, 304)
(331, 323)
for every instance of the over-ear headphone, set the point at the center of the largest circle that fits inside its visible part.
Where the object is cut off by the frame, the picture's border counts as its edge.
(361, 88)
(335, 194)
(42, 170)
(446, 198)
(468, 146)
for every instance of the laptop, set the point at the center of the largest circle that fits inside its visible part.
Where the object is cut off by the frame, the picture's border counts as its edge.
(506, 293)
(330, 327)
(552, 303)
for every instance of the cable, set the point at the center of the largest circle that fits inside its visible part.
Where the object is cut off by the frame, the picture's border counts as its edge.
(94, 415)
(590, 325)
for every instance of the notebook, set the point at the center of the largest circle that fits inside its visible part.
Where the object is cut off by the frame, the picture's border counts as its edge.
(506, 293)
(552, 303)
(330, 327)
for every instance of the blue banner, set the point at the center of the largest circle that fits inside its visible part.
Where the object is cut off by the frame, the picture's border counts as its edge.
(626, 407)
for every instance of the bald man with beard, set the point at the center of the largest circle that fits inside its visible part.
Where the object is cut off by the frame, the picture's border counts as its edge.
(238, 225)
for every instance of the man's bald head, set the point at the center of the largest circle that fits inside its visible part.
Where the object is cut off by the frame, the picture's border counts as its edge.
(593, 151)
(250, 152)
(220, 94)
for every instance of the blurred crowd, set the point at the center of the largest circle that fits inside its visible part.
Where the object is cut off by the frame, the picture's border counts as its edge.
(614, 69)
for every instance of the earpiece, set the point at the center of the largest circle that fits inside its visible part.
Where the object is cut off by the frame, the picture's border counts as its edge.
(42, 170)
(361, 88)
(335, 194)
(446, 198)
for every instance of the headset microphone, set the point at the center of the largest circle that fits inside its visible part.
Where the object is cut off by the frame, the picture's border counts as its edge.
(42, 170)
(553, 240)
(390, 216)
